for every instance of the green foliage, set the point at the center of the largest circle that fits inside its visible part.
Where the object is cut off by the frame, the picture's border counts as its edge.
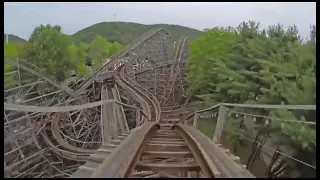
(114, 48)
(100, 49)
(296, 136)
(269, 66)
(50, 49)
(77, 56)
(297, 140)
(8, 78)
(47, 48)
(246, 64)
(206, 56)
(235, 135)
(124, 32)
(207, 126)
(11, 52)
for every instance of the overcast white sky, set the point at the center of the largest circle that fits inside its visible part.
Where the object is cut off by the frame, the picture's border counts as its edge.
(21, 18)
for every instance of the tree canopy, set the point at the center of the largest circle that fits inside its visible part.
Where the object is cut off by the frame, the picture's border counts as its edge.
(11, 51)
(58, 55)
(100, 49)
(47, 48)
(247, 64)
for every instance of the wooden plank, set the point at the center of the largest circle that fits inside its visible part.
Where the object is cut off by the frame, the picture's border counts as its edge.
(167, 147)
(168, 154)
(168, 167)
(119, 160)
(167, 142)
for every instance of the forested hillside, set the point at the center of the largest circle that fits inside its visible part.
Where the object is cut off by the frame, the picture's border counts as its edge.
(13, 38)
(125, 32)
(270, 66)
(122, 32)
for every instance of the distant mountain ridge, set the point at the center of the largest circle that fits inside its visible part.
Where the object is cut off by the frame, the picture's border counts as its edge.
(14, 38)
(122, 32)
(125, 32)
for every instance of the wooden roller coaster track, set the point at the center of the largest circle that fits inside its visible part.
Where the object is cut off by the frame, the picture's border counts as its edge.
(129, 119)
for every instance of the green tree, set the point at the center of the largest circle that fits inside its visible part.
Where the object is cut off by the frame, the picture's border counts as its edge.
(236, 139)
(297, 140)
(115, 47)
(77, 56)
(207, 56)
(47, 48)
(269, 66)
(8, 78)
(11, 52)
(100, 50)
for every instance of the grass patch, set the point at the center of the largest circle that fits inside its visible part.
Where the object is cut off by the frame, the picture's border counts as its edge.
(207, 126)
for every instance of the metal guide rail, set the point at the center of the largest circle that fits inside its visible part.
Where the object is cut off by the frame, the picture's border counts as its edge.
(170, 151)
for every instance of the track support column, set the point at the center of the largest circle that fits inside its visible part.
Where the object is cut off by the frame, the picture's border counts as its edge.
(195, 120)
(222, 119)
